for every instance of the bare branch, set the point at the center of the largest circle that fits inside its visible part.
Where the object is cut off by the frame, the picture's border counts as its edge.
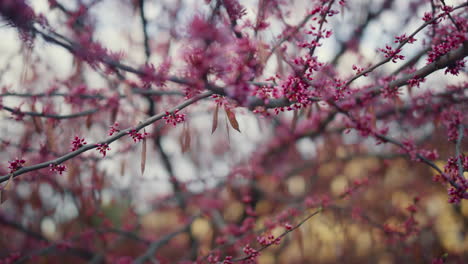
(54, 116)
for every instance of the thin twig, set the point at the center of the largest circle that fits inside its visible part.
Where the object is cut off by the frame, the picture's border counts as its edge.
(54, 116)
(319, 210)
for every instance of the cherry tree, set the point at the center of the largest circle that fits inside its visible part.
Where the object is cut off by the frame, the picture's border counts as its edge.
(228, 131)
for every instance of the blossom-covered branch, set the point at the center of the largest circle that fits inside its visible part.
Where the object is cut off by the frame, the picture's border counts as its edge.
(107, 141)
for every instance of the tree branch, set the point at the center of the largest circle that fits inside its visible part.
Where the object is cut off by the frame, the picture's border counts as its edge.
(109, 140)
(54, 116)
(161, 242)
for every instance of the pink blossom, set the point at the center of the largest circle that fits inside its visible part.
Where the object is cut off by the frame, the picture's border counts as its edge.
(416, 81)
(174, 118)
(137, 136)
(16, 164)
(234, 9)
(57, 168)
(392, 54)
(103, 148)
(114, 129)
(78, 143)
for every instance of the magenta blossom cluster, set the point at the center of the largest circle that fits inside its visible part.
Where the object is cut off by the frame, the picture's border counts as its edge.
(151, 75)
(174, 118)
(103, 148)
(57, 168)
(16, 164)
(403, 38)
(452, 119)
(392, 54)
(251, 253)
(19, 14)
(137, 136)
(78, 143)
(268, 240)
(416, 81)
(114, 129)
(452, 172)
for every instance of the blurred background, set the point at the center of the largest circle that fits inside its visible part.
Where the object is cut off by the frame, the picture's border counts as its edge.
(217, 192)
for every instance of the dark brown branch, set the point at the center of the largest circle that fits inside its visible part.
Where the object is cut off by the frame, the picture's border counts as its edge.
(26, 231)
(54, 116)
(157, 244)
(144, 24)
(79, 252)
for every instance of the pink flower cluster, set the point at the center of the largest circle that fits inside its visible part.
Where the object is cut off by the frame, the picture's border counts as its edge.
(251, 253)
(137, 136)
(215, 258)
(57, 168)
(449, 38)
(403, 38)
(268, 240)
(16, 164)
(19, 14)
(174, 118)
(296, 90)
(452, 172)
(78, 143)
(265, 92)
(392, 54)
(90, 51)
(358, 70)
(114, 129)
(415, 154)
(234, 9)
(456, 67)
(452, 118)
(151, 75)
(416, 81)
(103, 148)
